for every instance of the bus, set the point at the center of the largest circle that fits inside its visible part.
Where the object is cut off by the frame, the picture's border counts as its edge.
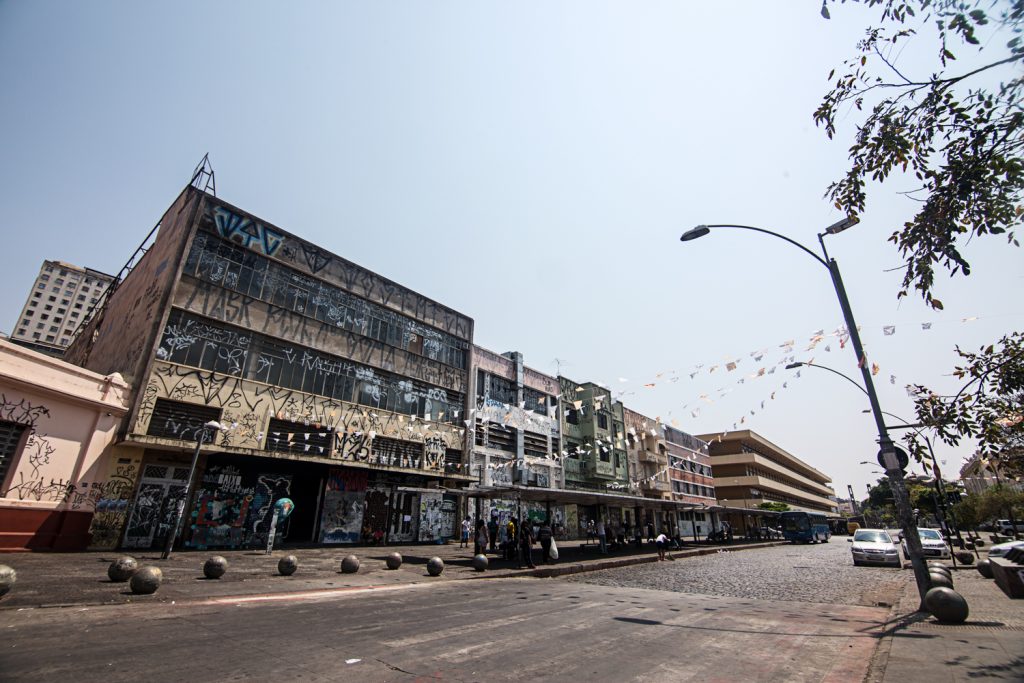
(805, 527)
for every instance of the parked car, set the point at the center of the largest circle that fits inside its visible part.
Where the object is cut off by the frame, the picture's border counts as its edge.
(932, 544)
(1000, 549)
(874, 546)
(1004, 526)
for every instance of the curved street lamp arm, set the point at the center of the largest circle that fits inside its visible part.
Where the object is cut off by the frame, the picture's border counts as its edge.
(774, 234)
(836, 372)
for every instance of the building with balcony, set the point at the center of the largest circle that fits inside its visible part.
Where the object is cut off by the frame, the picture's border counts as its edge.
(332, 385)
(647, 455)
(749, 470)
(593, 432)
(978, 474)
(61, 298)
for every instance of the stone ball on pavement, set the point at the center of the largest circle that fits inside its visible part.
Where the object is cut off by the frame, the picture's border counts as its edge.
(964, 557)
(146, 580)
(215, 567)
(946, 605)
(435, 566)
(935, 564)
(985, 568)
(940, 579)
(350, 565)
(393, 561)
(121, 569)
(480, 563)
(978, 543)
(7, 578)
(287, 565)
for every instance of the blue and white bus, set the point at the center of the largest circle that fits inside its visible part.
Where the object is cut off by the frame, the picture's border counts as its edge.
(805, 527)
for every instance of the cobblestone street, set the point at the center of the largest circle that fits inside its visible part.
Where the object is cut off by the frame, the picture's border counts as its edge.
(821, 573)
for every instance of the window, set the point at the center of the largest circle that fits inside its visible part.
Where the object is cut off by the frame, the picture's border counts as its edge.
(10, 440)
(74, 314)
(25, 321)
(53, 328)
(35, 295)
(81, 297)
(78, 306)
(51, 298)
(44, 317)
(47, 307)
(59, 281)
(57, 320)
(35, 335)
(602, 421)
(65, 302)
(49, 269)
(41, 286)
(44, 278)
(572, 416)
(22, 332)
(49, 337)
(61, 310)
(39, 326)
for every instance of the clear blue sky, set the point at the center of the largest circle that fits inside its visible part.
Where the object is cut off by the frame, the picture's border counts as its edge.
(529, 165)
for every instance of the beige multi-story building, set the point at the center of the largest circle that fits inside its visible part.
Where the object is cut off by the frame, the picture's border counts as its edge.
(749, 470)
(60, 300)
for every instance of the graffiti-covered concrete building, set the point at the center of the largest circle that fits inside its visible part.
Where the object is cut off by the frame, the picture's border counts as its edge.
(516, 433)
(334, 387)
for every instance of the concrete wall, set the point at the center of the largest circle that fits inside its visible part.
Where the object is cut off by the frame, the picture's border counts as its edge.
(61, 470)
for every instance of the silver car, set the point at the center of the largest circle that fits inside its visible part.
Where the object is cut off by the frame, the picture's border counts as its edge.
(932, 545)
(874, 546)
(1000, 549)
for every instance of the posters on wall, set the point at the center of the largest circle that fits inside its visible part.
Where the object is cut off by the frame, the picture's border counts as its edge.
(344, 504)
(234, 507)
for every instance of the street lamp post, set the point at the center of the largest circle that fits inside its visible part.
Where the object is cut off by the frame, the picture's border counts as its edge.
(887, 453)
(175, 531)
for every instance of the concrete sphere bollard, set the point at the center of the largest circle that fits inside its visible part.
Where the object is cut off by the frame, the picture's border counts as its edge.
(393, 561)
(287, 565)
(964, 557)
(435, 566)
(946, 605)
(480, 562)
(146, 580)
(215, 567)
(985, 568)
(935, 564)
(941, 570)
(121, 569)
(7, 579)
(939, 579)
(979, 543)
(350, 565)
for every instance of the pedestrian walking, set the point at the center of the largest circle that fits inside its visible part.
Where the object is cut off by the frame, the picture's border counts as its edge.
(544, 536)
(661, 541)
(526, 545)
(467, 526)
(602, 538)
(492, 530)
(590, 531)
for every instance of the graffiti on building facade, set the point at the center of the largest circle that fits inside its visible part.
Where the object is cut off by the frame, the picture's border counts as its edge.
(341, 520)
(247, 232)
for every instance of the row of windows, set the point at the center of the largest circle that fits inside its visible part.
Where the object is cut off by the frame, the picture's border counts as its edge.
(243, 270)
(689, 466)
(692, 489)
(192, 341)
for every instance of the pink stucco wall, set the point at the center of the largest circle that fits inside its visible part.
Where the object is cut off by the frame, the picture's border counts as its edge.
(61, 466)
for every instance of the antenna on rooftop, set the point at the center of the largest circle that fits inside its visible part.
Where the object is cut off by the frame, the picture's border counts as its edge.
(558, 363)
(203, 178)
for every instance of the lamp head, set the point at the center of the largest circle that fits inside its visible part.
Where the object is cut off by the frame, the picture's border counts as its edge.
(839, 226)
(795, 365)
(693, 234)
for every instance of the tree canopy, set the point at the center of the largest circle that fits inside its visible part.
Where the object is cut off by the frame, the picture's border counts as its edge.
(957, 134)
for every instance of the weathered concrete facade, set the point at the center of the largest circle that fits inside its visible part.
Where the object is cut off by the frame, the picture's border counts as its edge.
(58, 466)
(334, 386)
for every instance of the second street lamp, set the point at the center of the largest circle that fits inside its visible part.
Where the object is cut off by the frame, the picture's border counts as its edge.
(888, 454)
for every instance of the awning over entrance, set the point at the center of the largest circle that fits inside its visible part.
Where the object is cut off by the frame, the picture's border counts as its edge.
(570, 496)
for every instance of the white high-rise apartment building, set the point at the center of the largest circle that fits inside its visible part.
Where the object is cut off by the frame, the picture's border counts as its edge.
(58, 303)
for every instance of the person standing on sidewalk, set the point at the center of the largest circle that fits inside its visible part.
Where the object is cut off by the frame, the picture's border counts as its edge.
(511, 540)
(480, 538)
(544, 536)
(467, 526)
(602, 537)
(526, 545)
(492, 530)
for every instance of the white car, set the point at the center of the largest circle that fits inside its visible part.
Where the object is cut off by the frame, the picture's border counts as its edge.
(1000, 549)
(932, 545)
(874, 546)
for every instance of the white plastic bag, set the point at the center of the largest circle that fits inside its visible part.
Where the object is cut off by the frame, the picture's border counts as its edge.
(554, 550)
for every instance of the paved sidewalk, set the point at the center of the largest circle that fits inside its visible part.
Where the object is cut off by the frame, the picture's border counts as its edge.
(80, 579)
(989, 645)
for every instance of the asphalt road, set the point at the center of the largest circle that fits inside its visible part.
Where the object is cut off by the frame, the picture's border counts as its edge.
(491, 630)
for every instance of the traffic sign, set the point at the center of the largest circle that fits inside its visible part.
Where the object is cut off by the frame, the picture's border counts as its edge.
(893, 458)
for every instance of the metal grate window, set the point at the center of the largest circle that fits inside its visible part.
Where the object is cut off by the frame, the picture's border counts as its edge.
(178, 420)
(296, 437)
(10, 437)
